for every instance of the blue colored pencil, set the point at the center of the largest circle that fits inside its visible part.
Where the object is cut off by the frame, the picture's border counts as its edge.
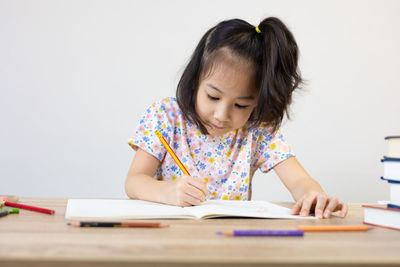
(393, 206)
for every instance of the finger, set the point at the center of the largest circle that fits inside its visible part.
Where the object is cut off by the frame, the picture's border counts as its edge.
(339, 206)
(183, 189)
(320, 206)
(184, 204)
(296, 208)
(206, 191)
(306, 207)
(206, 179)
(194, 192)
(184, 199)
(332, 203)
(344, 210)
(199, 183)
(189, 181)
(191, 201)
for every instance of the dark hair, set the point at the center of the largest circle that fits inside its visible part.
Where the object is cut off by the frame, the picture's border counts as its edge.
(274, 54)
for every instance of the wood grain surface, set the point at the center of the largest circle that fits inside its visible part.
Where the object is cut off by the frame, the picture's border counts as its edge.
(36, 239)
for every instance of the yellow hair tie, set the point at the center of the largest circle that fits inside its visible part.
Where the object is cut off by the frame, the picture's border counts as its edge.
(258, 30)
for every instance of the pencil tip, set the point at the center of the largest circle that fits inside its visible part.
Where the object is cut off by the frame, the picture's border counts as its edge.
(219, 233)
(73, 223)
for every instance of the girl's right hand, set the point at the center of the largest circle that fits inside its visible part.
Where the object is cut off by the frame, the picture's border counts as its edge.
(186, 191)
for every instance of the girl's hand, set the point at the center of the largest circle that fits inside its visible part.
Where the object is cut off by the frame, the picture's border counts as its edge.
(321, 203)
(186, 191)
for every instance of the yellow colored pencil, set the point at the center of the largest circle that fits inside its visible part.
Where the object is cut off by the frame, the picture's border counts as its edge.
(171, 152)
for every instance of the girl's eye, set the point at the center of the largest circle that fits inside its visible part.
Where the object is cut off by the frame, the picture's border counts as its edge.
(240, 106)
(212, 98)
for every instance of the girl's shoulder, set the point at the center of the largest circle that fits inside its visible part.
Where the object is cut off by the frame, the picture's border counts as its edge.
(166, 111)
(166, 105)
(169, 102)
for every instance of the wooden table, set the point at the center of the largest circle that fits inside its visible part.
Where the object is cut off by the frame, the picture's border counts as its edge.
(35, 239)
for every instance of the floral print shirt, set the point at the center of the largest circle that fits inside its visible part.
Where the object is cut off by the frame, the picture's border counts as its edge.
(227, 162)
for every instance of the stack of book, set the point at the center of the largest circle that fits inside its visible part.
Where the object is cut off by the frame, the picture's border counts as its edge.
(388, 216)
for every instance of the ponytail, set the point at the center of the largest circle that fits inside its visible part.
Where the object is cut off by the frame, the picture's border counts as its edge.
(278, 72)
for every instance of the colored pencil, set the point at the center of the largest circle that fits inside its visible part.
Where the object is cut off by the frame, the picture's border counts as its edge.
(263, 233)
(332, 228)
(393, 206)
(171, 152)
(119, 224)
(3, 213)
(28, 207)
(15, 210)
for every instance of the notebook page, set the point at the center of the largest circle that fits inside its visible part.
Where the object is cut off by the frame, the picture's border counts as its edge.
(79, 209)
(258, 209)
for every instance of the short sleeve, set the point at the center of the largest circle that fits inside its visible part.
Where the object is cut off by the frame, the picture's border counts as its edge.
(272, 149)
(155, 118)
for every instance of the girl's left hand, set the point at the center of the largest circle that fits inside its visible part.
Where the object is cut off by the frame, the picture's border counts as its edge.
(321, 203)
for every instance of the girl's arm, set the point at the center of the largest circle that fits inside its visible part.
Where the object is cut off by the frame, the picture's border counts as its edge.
(306, 191)
(140, 184)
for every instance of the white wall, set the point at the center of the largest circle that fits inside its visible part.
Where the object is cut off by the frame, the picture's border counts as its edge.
(75, 76)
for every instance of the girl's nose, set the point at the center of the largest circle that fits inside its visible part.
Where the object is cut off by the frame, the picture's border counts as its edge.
(222, 113)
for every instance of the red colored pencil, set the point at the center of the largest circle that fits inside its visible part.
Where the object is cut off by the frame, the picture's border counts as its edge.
(27, 207)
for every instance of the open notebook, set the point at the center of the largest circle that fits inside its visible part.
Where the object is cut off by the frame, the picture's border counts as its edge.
(106, 209)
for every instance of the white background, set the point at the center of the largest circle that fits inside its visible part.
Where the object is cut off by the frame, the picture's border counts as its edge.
(75, 77)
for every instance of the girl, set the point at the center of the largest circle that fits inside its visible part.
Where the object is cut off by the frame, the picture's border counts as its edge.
(224, 123)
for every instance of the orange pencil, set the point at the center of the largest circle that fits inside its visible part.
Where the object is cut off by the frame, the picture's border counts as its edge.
(171, 152)
(119, 224)
(332, 228)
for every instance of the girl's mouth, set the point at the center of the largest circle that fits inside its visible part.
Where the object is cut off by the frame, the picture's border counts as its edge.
(217, 127)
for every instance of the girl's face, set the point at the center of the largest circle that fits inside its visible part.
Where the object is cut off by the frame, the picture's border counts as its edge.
(226, 96)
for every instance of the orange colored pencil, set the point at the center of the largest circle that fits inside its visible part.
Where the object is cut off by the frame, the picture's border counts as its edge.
(171, 152)
(119, 224)
(332, 228)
